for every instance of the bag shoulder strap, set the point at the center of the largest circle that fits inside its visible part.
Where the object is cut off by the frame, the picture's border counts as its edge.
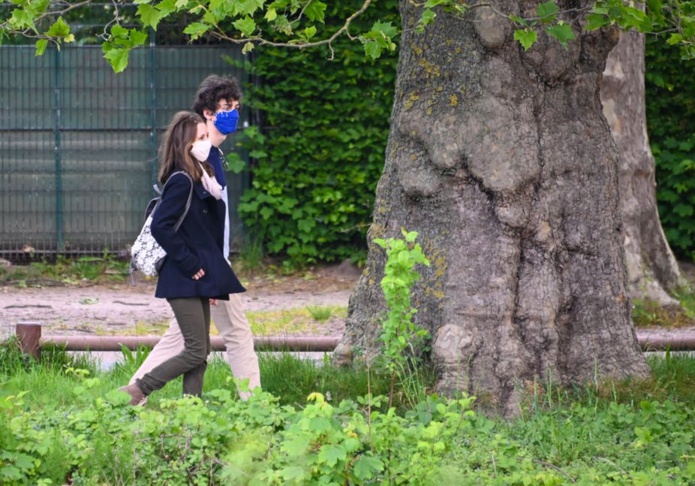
(188, 202)
(157, 200)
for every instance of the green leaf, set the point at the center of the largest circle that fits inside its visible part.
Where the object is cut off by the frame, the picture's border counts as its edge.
(246, 26)
(167, 7)
(196, 29)
(547, 12)
(294, 474)
(118, 58)
(235, 163)
(118, 31)
(137, 38)
(245, 7)
(331, 454)
(427, 17)
(562, 32)
(635, 18)
(21, 19)
(271, 14)
(266, 213)
(309, 32)
(315, 11)
(372, 50)
(410, 236)
(41, 45)
(386, 28)
(518, 20)
(366, 467)
(23, 461)
(674, 39)
(282, 24)
(526, 38)
(296, 446)
(59, 29)
(683, 210)
(596, 21)
(306, 225)
(149, 15)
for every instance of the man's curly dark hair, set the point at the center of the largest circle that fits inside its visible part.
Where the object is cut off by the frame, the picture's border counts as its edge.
(212, 90)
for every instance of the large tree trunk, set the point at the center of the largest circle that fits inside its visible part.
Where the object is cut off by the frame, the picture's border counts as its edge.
(651, 267)
(503, 162)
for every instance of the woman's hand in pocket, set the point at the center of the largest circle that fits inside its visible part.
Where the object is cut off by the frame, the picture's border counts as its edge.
(199, 274)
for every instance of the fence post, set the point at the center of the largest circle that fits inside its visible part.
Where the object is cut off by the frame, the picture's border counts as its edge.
(29, 336)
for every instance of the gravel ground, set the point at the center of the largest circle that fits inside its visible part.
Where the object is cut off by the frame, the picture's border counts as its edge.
(124, 307)
(128, 308)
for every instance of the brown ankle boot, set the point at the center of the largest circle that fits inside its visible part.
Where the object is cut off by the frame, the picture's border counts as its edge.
(137, 397)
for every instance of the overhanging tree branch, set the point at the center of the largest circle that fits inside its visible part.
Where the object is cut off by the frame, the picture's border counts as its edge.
(238, 22)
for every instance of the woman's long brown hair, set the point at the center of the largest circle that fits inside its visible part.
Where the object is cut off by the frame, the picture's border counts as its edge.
(175, 151)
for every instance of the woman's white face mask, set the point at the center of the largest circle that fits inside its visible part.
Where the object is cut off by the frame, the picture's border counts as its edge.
(201, 149)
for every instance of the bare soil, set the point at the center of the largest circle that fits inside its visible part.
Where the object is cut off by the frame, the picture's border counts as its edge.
(131, 308)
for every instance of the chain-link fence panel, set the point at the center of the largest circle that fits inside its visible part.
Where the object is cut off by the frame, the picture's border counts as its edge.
(78, 142)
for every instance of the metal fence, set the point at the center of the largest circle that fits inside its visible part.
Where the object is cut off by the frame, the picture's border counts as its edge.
(78, 143)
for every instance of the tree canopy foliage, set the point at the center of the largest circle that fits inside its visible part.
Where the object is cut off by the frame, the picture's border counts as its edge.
(301, 23)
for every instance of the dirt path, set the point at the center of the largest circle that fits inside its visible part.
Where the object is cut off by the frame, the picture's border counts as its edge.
(121, 308)
(127, 308)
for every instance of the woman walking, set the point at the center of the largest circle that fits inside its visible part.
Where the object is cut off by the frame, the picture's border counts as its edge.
(195, 273)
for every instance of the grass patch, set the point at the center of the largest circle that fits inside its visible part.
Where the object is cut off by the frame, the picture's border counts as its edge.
(285, 375)
(151, 328)
(291, 321)
(650, 314)
(320, 314)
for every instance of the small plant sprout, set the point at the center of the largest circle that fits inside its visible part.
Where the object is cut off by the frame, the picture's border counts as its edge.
(400, 334)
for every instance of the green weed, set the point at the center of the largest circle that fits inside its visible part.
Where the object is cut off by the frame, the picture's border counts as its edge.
(250, 258)
(649, 313)
(319, 313)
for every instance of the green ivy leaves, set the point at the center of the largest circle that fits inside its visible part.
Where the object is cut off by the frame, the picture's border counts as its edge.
(318, 150)
(670, 96)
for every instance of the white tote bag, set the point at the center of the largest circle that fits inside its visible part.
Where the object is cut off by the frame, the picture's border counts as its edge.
(146, 254)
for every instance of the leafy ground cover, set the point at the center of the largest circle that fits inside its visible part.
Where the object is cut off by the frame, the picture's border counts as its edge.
(63, 422)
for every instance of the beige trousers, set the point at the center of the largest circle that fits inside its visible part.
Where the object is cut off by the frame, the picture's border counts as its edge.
(230, 321)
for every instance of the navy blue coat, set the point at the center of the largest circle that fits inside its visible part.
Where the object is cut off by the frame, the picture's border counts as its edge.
(197, 244)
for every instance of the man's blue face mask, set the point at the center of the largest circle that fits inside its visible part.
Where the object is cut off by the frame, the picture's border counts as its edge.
(226, 121)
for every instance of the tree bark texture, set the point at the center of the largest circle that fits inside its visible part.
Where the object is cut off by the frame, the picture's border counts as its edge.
(652, 269)
(503, 163)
